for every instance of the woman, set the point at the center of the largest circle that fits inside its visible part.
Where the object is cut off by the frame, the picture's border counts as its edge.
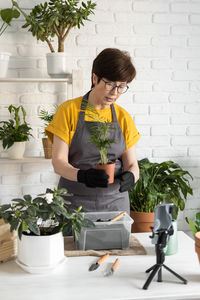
(73, 156)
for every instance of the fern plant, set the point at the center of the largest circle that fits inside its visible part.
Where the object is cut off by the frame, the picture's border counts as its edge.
(99, 133)
(47, 116)
(160, 182)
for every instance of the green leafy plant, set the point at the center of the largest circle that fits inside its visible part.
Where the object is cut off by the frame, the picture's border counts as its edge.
(160, 182)
(47, 116)
(194, 226)
(7, 15)
(99, 133)
(13, 130)
(44, 215)
(56, 18)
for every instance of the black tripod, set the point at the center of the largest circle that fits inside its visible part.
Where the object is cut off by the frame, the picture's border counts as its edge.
(160, 258)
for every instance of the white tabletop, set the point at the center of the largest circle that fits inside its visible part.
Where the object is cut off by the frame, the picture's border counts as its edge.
(73, 281)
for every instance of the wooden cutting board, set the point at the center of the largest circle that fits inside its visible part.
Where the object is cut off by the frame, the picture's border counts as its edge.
(8, 242)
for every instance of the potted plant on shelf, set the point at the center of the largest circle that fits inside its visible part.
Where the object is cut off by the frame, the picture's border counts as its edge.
(158, 182)
(40, 223)
(6, 15)
(47, 117)
(15, 133)
(195, 229)
(56, 18)
(100, 139)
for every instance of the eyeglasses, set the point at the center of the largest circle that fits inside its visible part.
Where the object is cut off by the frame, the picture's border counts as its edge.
(110, 87)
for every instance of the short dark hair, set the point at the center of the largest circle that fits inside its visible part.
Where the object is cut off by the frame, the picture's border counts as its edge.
(114, 65)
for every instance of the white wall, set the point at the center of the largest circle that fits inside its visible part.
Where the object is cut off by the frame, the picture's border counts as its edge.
(163, 38)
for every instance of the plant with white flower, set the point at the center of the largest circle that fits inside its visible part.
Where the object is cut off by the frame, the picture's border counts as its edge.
(46, 214)
(49, 198)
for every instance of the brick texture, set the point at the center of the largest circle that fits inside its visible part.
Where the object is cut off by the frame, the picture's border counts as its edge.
(164, 99)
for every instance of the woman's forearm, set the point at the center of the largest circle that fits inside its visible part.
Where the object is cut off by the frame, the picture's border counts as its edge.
(64, 169)
(130, 162)
(60, 160)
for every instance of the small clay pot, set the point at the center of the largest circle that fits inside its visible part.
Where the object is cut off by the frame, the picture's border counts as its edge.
(197, 244)
(142, 221)
(109, 169)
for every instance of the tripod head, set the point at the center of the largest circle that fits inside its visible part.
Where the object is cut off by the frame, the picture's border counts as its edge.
(163, 227)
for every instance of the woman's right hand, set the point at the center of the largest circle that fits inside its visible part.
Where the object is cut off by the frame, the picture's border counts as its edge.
(93, 178)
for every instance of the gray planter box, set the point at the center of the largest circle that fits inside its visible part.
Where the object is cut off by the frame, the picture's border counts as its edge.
(105, 235)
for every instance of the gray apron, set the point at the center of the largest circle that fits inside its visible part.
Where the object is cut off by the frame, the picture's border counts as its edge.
(84, 155)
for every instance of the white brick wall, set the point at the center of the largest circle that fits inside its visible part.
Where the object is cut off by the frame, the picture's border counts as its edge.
(163, 38)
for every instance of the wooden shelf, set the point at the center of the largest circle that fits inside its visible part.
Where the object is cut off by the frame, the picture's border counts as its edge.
(67, 79)
(34, 159)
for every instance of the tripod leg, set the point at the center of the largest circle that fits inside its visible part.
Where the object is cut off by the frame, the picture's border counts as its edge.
(174, 273)
(151, 276)
(148, 270)
(160, 275)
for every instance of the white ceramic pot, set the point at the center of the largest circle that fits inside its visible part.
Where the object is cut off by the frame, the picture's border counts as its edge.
(37, 254)
(4, 60)
(58, 65)
(16, 151)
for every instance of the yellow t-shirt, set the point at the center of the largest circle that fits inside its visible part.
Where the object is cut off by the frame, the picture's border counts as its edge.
(65, 121)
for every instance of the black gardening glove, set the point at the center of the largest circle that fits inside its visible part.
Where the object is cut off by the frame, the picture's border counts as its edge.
(127, 181)
(93, 177)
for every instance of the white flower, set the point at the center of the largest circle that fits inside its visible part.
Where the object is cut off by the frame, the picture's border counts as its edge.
(49, 198)
(39, 221)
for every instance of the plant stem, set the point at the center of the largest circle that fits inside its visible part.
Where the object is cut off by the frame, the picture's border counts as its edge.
(103, 154)
(3, 28)
(69, 28)
(49, 44)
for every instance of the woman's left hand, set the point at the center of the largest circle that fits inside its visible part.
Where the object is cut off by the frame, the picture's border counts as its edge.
(127, 181)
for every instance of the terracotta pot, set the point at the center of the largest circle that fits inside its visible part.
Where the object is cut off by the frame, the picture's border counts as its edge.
(47, 146)
(142, 221)
(109, 169)
(197, 244)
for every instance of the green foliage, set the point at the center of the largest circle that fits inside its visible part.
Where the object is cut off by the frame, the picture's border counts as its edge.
(46, 116)
(56, 18)
(7, 15)
(44, 215)
(160, 182)
(14, 130)
(99, 132)
(194, 226)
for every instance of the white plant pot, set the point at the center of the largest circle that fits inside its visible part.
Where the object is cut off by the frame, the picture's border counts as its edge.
(4, 60)
(39, 254)
(58, 65)
(16, 151)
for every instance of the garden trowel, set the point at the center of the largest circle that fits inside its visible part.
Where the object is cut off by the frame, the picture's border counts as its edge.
(99, 261)
(113, 268)
(118, 217)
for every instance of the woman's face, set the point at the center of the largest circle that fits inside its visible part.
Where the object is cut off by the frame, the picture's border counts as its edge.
(106, 91)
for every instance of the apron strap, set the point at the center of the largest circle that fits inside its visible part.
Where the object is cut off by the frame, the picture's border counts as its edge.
(113, 113)
(83, 106)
